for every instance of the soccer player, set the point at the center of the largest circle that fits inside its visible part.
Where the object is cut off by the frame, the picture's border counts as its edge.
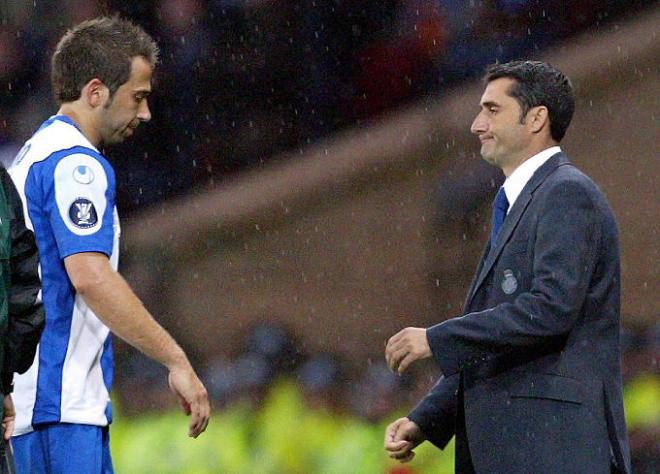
(101, 78)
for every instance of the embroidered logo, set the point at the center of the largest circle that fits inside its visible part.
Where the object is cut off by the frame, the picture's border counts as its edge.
(83, 213)
(509, 284)
(83, 174)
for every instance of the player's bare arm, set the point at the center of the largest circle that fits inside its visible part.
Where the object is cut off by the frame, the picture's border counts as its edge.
(115, 303)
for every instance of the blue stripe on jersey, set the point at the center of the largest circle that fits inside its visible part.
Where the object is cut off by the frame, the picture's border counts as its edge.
(107, 366)
(52, 352)
(55, 242)
(61, 118)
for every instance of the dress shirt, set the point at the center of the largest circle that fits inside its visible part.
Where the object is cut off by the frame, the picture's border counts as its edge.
(515, 183)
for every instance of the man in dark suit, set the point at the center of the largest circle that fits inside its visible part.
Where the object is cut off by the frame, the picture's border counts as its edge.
(531, 376)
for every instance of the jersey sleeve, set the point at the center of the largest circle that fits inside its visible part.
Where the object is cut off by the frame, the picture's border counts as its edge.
(81, 200)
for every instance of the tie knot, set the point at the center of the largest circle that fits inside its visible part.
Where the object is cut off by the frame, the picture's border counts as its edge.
(501, 202)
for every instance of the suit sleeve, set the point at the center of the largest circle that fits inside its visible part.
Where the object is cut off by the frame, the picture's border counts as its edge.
(26, 312)
(436, 413)
(564, 256)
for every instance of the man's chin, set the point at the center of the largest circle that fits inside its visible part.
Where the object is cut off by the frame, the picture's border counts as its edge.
(114, 140)
(488, 157)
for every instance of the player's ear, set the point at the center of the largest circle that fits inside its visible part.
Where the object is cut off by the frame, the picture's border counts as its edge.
(95, 93)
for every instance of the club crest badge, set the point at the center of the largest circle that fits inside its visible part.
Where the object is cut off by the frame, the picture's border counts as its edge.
(509, 284)
(83, 174)
(83, 213)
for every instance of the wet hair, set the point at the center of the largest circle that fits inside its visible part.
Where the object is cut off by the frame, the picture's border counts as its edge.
(538, 83)
(101, 48)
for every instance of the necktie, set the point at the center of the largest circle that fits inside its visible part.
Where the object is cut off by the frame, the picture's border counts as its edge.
(500, 206)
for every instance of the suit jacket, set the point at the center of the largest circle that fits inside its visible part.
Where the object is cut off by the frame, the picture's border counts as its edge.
(537, 349)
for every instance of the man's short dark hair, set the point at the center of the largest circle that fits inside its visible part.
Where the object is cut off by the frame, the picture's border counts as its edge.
(539, 83)
(102, 48)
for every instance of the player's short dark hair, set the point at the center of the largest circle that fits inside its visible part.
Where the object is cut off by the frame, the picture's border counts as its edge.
(101, 48)
(539, 83)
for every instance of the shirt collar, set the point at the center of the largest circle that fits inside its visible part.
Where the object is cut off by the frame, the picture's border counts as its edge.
(515, 183)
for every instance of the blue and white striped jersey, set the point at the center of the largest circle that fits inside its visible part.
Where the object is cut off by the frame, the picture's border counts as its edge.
(68, 191)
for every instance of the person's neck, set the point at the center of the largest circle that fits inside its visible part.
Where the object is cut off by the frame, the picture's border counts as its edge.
(525, 155)
(83, 119)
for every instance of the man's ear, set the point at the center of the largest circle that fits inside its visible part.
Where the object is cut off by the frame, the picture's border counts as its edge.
(537, 118)
(95, 93)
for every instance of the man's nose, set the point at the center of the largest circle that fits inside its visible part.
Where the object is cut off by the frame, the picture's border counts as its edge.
(478, 125)
(144, 114)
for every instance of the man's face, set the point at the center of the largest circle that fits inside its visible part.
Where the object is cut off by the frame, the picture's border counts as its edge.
(503, 138)
(128, 107)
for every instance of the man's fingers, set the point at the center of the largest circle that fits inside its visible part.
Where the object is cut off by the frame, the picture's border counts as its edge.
(195, 424)
(9, 429)
(393, 356)
(195, 421)
(393, 362)
(398, 448)
(393, 343)
(396, 445)
(405, 363)
(391, 433)
(394, 339)
(201, 411)
(403, 456)
(193, 399)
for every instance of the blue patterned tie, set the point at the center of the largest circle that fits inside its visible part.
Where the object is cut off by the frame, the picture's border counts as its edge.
(500, 206)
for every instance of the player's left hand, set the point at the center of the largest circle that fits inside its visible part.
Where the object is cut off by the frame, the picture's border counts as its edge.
(9, 418)
(405, 347)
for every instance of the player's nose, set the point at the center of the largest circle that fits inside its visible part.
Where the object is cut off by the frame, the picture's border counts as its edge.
(144, 114)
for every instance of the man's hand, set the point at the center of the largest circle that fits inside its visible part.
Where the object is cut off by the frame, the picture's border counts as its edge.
(405, 347)
(401, 437)
(9, 418)
(193, 398)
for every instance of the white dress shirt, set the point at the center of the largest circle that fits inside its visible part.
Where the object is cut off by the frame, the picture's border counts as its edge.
(515, 183)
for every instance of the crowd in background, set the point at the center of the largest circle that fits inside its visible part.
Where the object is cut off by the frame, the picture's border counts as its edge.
(325, 385)
(242, 81)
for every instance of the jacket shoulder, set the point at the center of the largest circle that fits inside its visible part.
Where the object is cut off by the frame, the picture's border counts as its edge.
(569, 185)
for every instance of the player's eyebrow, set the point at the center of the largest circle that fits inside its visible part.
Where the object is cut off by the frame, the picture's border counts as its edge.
(142, 92)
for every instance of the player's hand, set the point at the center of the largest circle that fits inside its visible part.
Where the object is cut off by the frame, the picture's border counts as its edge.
(401, 437)
(193, 398)
(9, 418)
(405, 347)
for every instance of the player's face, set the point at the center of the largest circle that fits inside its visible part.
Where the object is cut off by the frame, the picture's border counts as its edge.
(503, 138)
(128, 107)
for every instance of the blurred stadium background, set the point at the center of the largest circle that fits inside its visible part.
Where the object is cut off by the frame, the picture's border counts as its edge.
(309, 185)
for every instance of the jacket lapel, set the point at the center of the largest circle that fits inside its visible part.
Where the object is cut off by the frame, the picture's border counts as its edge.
(511, 220)
(473, 285)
